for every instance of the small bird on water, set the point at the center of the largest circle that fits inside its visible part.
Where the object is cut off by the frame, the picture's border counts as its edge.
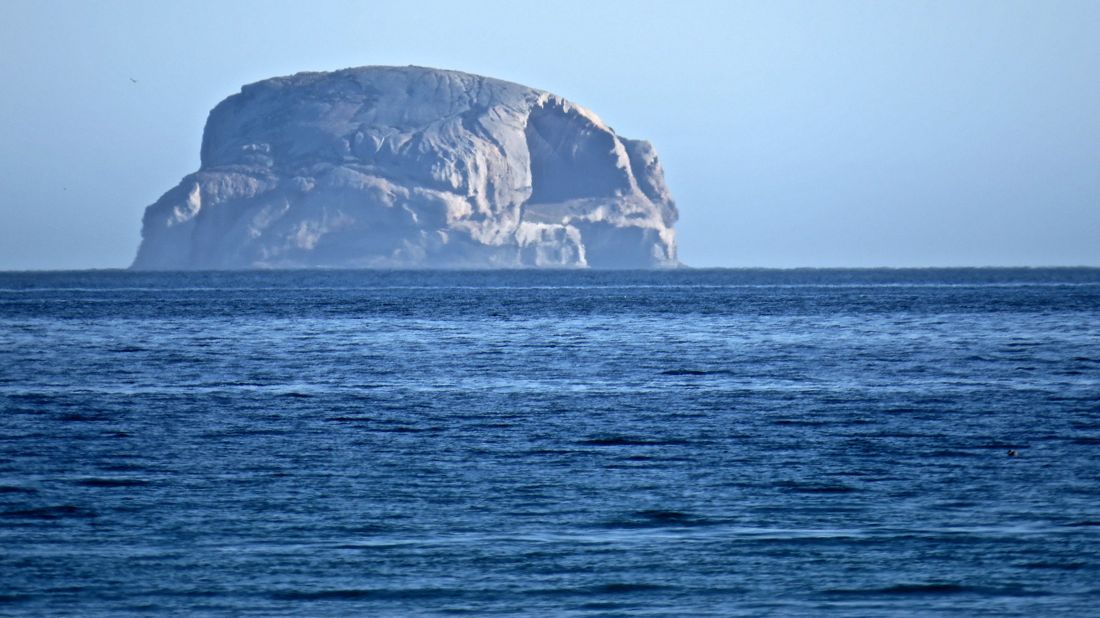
(1012, 453)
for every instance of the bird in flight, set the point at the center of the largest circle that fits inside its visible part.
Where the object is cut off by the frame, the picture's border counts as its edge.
(133, 80)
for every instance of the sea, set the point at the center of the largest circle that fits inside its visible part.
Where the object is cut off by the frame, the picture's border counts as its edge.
(551, 443)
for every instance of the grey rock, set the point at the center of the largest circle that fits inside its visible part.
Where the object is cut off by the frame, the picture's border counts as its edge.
(409, 167)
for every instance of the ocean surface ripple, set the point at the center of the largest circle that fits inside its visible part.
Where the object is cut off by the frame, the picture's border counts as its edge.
(706, 443)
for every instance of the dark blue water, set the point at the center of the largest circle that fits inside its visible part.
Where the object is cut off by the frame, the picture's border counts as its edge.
(575, 443)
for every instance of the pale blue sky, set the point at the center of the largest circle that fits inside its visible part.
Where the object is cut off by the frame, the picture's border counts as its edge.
(792, 133)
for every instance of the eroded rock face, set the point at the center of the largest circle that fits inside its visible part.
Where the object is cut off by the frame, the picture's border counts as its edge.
(408, 167)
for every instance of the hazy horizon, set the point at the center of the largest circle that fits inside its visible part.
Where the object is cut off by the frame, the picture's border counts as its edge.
(793, 135)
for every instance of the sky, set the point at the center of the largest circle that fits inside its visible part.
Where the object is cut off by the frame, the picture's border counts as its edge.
(793, 134)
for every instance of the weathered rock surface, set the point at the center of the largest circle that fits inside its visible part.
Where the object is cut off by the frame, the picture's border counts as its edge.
(409, 167)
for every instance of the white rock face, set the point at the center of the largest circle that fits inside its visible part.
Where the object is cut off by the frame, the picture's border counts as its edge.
(409, 167)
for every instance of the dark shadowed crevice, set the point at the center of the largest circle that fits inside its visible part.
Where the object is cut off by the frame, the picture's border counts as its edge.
(571, 158)
(609, 246)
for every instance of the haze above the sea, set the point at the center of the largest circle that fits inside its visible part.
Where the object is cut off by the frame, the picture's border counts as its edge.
(792, 134)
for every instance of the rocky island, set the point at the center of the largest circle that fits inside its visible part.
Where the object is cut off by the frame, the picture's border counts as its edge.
(410, 167)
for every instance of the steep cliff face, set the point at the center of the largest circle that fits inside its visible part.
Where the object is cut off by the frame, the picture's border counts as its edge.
(388, 167)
